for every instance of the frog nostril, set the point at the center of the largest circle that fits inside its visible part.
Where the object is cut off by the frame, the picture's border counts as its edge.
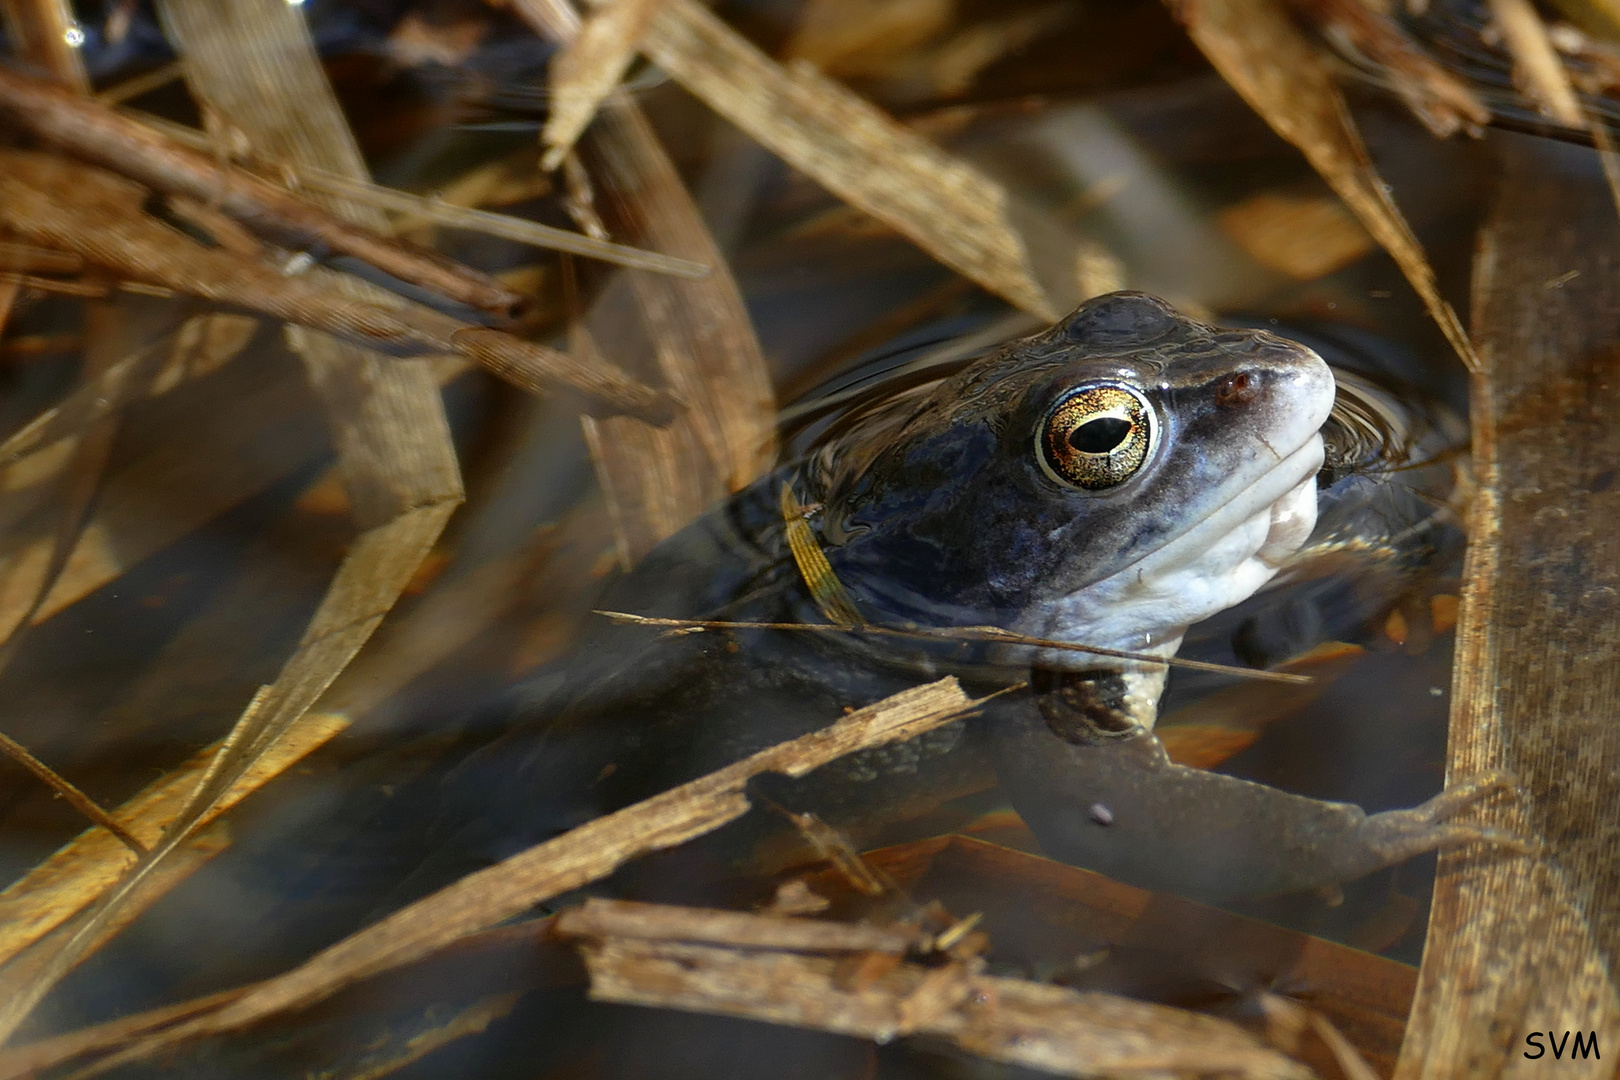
(1239, 389)
(1101, 436)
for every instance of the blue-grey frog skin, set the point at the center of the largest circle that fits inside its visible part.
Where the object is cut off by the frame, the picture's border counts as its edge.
(1107, 482)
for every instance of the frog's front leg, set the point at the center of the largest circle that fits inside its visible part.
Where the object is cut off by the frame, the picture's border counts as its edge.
(1121, 807)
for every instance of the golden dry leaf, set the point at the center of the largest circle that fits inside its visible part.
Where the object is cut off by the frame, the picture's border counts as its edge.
(1305, 237)
(1267, 59)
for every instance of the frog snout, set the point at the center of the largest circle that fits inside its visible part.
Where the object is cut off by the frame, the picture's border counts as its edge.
(1295, 392)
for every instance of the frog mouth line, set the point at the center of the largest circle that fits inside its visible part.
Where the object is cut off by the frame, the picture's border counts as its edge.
(1263, 496)
(1218, 561)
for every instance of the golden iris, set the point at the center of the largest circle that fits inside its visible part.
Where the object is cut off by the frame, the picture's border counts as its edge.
(1095, 437)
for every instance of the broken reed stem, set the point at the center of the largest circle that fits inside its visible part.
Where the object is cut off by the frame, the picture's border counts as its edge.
(672, 957)
(986, 634)
(81, 802)
(599, 917)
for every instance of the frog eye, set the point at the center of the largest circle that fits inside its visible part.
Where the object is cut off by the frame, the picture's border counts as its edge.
(1095, 437)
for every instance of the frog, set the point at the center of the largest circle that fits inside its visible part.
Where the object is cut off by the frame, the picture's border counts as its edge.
(1090, 492)
(1106, 483)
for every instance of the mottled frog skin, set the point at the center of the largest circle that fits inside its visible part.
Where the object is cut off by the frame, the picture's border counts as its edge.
(1107, 482)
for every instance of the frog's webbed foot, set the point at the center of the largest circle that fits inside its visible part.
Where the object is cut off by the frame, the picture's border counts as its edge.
(1123, 808)
(1396, 835)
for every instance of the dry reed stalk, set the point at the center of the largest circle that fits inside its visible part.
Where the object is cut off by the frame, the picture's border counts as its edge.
(1536, 66)
(66, 790)
(1444, 103)
(945, 206)
(1521, 945)
(44, 34)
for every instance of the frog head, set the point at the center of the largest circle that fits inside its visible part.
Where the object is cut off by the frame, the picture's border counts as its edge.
(1107, 482)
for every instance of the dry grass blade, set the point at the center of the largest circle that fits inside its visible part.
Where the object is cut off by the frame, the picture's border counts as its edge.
(950, 209)
(93, 131)
(415, 210)
(570, 861)
(1536, 66)
(697, 335)
(372, 576)
(24, 258)
(77, 875)
(81, 802)
(472, 1020)
(114, 333)
(1443, 102)
(242, 447)
(832, 599)
(588, 69)
(36, 1057)
(101, 217)
(1281, 74)
(1031, 1024)
(993, 634)
(392, 437)
(1517, 945)
(42, 33)
(92, 399)
(502, 225)
(515, 361)
(145, 83)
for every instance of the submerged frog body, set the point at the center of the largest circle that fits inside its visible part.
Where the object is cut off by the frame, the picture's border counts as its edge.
(1107, 483)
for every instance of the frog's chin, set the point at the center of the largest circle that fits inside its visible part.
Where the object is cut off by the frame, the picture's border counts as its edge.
(1218, 563)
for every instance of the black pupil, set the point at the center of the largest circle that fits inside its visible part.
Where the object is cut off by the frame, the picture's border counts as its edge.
(1100, 436)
